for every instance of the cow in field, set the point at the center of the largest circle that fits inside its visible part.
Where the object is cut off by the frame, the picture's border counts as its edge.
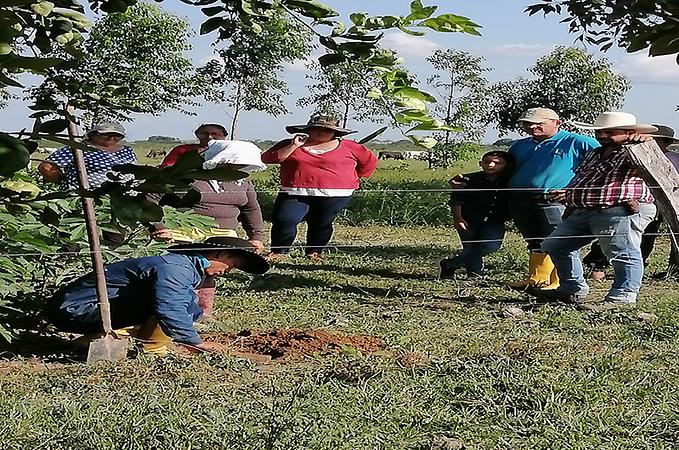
(416, 154)
(156, 153)
(390, 155)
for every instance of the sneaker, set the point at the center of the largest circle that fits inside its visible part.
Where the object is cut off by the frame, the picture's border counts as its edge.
(554, 295)
(315, 256)
(447, 269)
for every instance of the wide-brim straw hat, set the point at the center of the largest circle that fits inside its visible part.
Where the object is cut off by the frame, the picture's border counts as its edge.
(664, 132)
(617, 120)
(328, 122)
(252, 262)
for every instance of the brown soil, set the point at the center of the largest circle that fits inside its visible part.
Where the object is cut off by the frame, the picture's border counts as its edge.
(293, 343)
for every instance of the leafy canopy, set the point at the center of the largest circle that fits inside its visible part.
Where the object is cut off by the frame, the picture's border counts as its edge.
(131, 62)
(633, 25)
(568, 80)
(251, 61)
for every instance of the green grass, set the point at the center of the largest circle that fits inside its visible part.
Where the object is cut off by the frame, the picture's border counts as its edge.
(453, 367)
(454, 370)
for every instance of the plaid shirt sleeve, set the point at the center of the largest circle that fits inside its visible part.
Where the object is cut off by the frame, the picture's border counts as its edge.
(606, 181)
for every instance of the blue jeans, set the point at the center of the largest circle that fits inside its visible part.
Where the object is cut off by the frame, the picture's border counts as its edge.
(319, 213)
(535, 218)
(619, 235)
(471, 258)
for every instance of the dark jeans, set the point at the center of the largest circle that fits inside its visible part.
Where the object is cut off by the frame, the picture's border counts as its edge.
(596, 259)
(534, 217)
(85, 318)
(319, 214)
(481, 239)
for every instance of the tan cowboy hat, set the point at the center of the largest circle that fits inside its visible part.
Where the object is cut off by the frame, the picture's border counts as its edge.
(617, 120)
(320, 121)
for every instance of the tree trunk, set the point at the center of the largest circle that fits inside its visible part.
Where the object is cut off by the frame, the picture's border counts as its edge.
(236, 109)
(345, 116)
(449, 111)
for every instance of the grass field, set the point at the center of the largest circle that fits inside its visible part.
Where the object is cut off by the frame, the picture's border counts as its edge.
(457, 368)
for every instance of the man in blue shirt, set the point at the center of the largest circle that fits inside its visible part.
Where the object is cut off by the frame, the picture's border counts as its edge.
(154, 292)
(545, 161)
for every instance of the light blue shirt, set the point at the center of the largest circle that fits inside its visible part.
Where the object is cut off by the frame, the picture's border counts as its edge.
(549, 164)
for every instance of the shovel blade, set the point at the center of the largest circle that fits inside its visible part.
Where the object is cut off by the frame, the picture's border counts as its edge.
(107, 348)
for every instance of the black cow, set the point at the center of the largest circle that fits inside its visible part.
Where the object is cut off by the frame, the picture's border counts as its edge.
(390, 155)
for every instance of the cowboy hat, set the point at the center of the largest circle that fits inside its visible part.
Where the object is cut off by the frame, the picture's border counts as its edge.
(617, 120)
(664, 132)
(252, 262)
(321, 121)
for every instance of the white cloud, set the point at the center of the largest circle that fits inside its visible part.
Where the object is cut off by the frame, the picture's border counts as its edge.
(519, 50)
(640, 68)
(407, 45)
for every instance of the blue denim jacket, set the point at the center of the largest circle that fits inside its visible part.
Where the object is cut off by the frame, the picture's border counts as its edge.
(140, 287)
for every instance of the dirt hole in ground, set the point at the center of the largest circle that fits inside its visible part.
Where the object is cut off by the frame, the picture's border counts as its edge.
(294, 343)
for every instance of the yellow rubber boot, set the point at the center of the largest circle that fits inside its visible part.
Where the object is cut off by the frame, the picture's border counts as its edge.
(126, 332)
(153, 340)
(553, 278)
(540, 268)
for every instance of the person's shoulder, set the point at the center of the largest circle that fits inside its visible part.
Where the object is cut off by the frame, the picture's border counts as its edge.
(520, 143)
(353, 145)
(65, 150)
(579, 138)
(183, 148)
(174, 262)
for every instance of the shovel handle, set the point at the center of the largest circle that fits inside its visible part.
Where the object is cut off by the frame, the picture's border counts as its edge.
(91, 225)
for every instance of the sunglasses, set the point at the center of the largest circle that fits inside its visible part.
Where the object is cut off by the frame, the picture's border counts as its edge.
(110, 135)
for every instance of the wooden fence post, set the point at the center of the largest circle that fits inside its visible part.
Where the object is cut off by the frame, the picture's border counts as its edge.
(659, 173)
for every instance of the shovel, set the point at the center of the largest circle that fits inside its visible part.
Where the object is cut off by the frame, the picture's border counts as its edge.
(109, 347)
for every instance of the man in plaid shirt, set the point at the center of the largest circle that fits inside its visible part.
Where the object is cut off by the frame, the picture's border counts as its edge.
(607, 200)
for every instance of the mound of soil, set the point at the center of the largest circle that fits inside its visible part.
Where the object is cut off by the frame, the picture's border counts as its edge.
(293, 343)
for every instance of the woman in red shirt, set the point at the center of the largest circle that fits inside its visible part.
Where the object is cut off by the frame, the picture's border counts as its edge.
(319, 173)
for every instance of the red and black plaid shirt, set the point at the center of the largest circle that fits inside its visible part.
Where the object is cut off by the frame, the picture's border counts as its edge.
(606, 181)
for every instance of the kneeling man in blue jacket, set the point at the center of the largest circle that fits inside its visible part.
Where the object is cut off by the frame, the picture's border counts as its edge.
(156, 294)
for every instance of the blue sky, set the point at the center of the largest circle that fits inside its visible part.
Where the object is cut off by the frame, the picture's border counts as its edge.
(511, 42)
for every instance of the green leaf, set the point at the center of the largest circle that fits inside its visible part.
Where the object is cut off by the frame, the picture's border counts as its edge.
(331, 58)
(185, 162)
(211, 25)
(49, 216)
(42, 8)
(411, 92)
(131, 211)
(212, 10)
(417, 11)
(451, 23)
(427, 143)
(665, 45)
(372, 135)
(186, 201)
(311, 8)
(29, 63)
(53, 126)
(140, 172)
(358, 19)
